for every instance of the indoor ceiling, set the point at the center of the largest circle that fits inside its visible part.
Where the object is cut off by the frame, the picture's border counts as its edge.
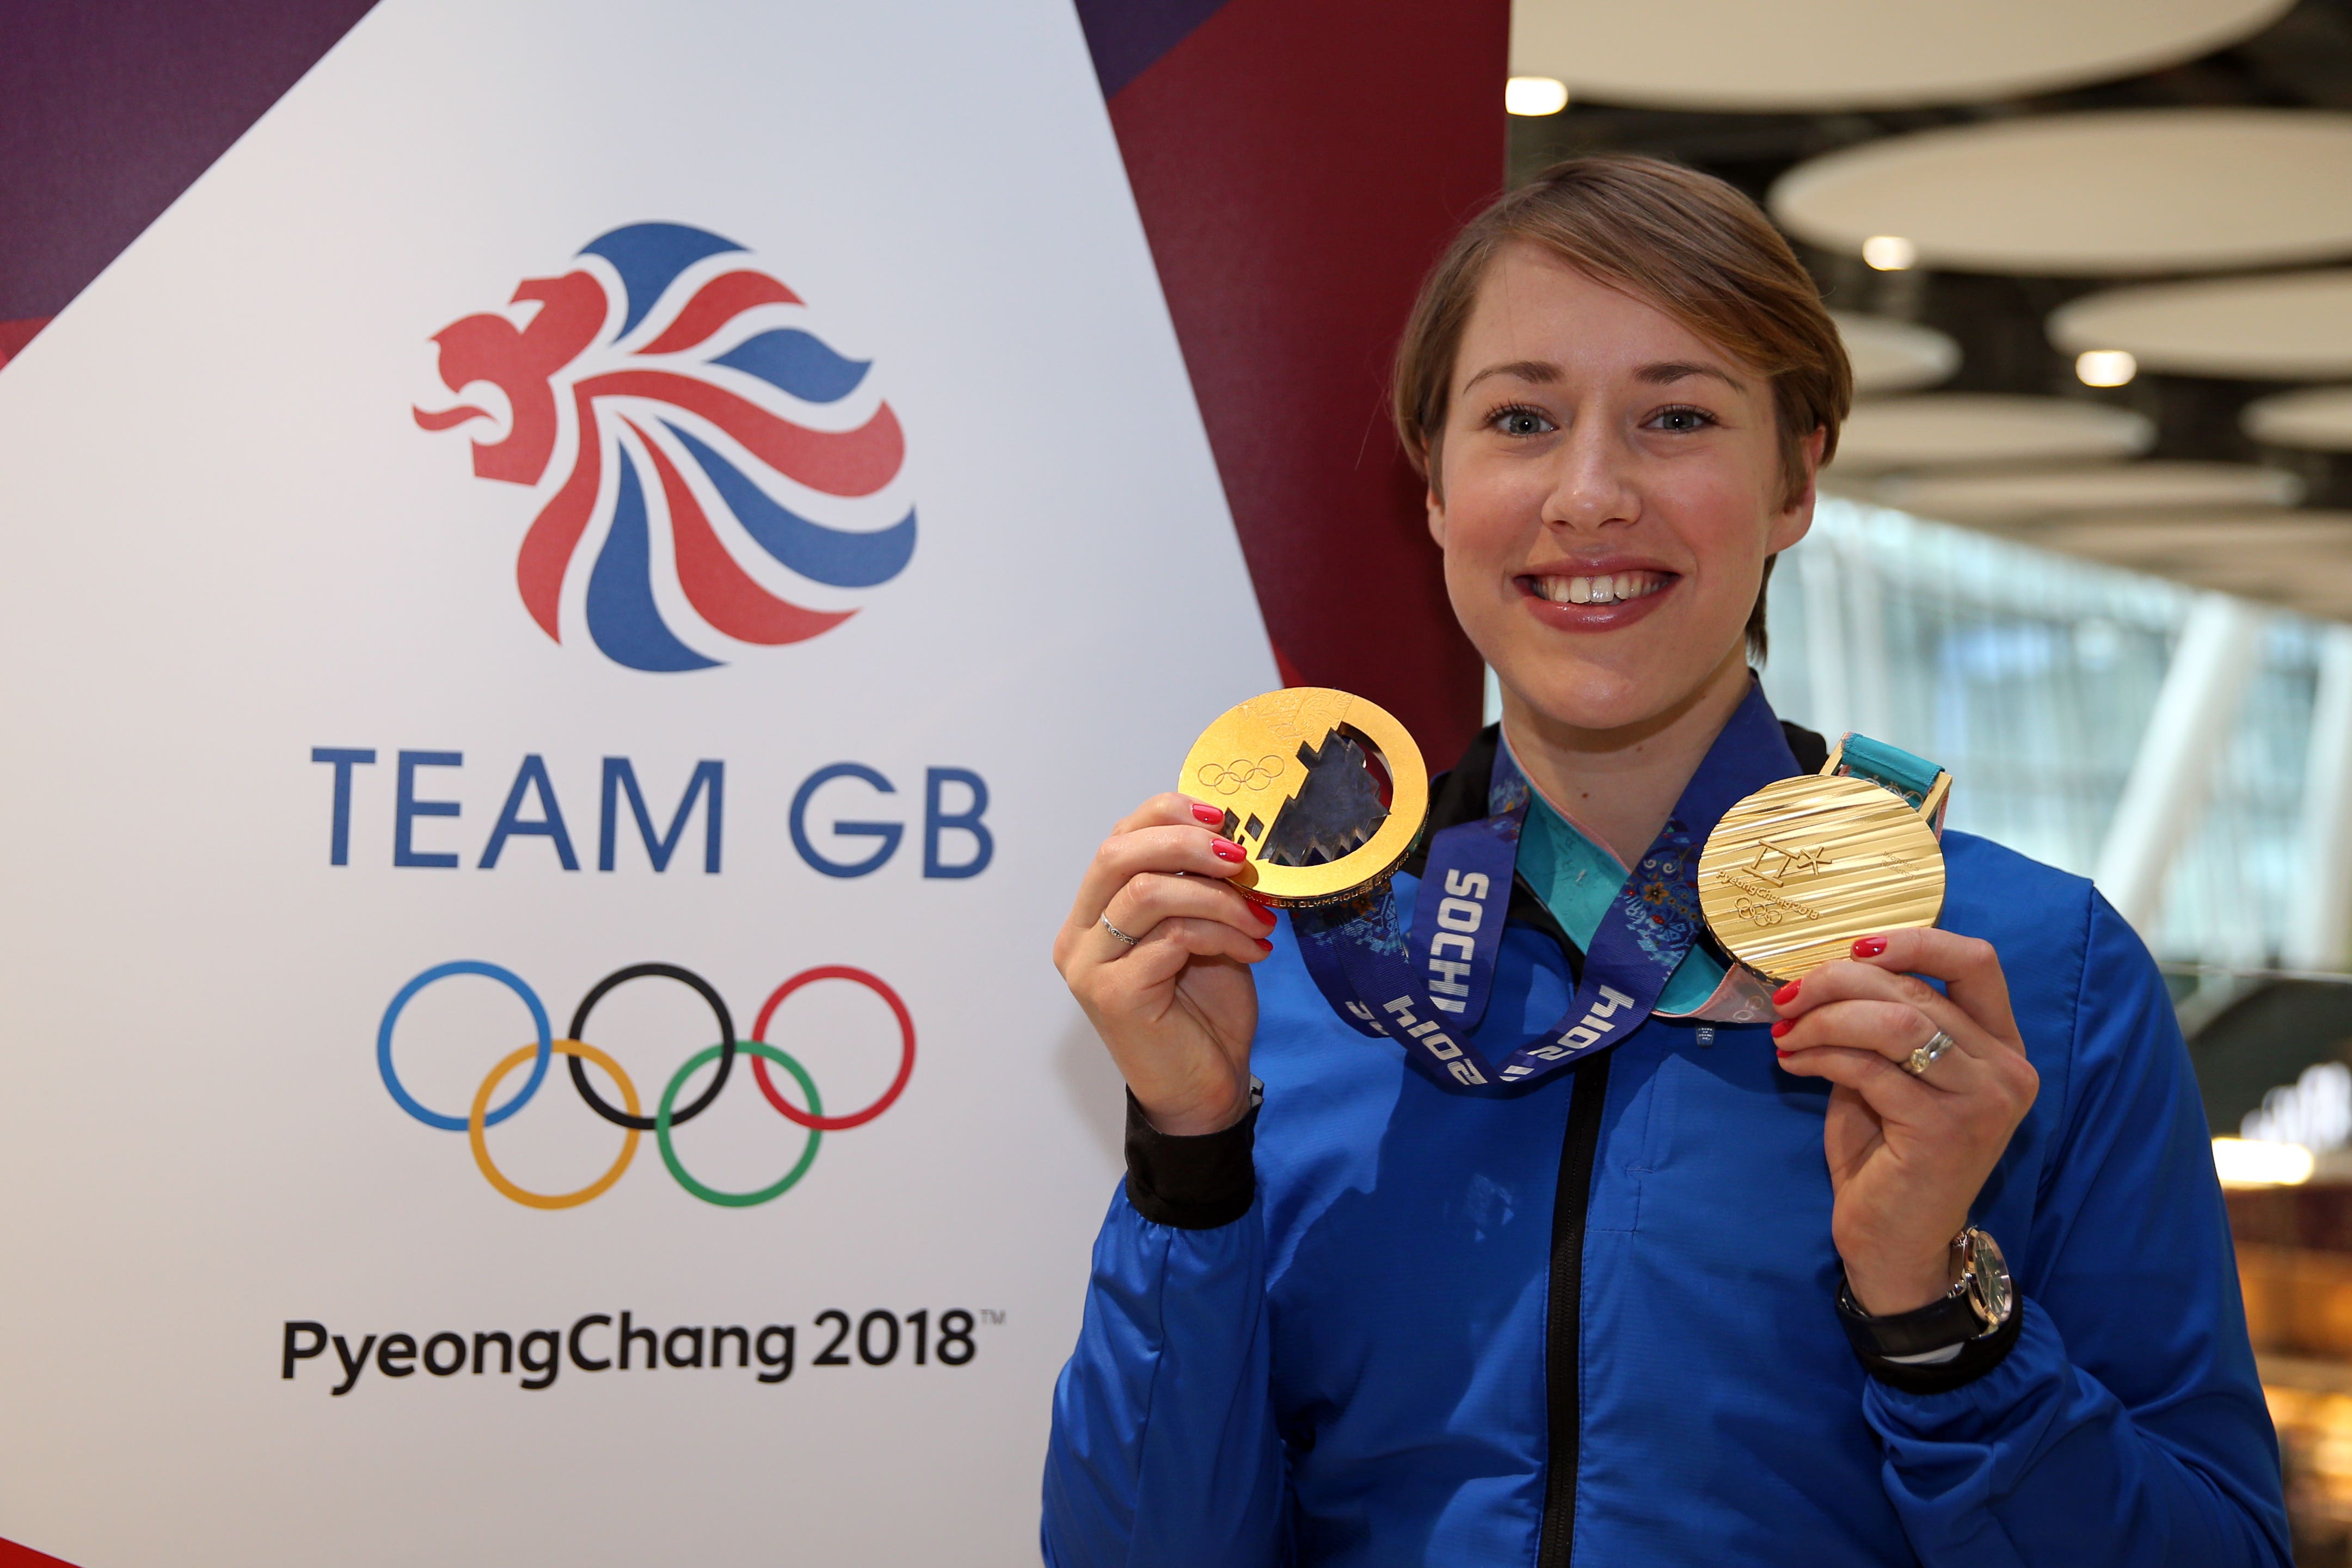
(2318, 419)
(2003, 496)
(2277, 325)
(2170, 178)
(1890, 356)
(2110, 193)
(1931, 429)
(2300, 559)
(1888, 53)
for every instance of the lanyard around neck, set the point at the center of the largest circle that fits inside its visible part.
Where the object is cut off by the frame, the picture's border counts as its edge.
(1429, 990)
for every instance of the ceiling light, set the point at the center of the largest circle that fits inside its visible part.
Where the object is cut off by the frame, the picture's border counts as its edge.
(1889, 253)
(1533, 96)
(2105, 366)
(2250, 1161)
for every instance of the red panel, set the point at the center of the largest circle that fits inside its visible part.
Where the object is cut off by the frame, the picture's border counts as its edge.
(14, 1556)
(15, 335)
(1299, 165)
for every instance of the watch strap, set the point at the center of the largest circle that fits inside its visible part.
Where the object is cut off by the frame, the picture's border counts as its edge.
(1977, 1357)
(1947, 1320)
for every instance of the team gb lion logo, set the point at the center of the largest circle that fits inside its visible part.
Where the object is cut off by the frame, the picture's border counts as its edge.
(731, 477)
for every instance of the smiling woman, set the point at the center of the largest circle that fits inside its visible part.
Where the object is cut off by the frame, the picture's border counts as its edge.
(1674, 247)
(1694, 1290)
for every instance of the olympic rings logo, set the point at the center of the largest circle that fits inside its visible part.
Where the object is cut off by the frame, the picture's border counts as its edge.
(630, 1115)
(1233, 777)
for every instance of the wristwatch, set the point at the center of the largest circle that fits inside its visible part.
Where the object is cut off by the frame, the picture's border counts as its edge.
(1979, 1304)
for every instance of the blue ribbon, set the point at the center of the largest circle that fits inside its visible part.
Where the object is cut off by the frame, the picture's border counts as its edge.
(1428, 990)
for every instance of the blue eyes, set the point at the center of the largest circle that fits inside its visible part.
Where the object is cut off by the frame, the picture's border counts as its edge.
(1519, 421)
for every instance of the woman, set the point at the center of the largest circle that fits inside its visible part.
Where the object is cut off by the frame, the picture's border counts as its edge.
(1691, 1300)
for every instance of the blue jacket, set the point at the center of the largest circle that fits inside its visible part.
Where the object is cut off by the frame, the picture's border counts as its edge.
(1597, 1319)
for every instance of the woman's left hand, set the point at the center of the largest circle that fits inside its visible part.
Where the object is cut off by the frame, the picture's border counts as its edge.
(1907, 1155)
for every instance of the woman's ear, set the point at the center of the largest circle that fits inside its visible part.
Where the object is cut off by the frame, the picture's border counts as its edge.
(1795, 520)
(1433, 499)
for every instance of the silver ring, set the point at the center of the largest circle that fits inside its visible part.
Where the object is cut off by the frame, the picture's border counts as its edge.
(1115, 931)
(1928, 1055)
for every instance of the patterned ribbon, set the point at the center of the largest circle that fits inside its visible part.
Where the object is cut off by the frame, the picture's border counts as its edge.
(1428, 989)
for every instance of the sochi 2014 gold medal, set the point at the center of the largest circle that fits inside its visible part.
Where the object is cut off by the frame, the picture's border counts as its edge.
(1795, 872)
(1290, 769)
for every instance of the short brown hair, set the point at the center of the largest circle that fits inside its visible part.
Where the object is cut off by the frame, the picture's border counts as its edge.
(1687, 242)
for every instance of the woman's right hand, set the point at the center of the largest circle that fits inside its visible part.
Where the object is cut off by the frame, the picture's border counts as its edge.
(1177, 1010)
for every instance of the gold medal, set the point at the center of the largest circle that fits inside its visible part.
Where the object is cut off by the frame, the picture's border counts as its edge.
(1802, 867)
(1294, 771)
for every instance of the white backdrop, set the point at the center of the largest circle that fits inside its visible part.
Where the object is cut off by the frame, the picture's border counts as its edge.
(227, 543)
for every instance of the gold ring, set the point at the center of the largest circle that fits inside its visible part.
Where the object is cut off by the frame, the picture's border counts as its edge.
(1928, 1055)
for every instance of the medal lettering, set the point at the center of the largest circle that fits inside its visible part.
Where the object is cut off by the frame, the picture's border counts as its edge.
(1759, 904)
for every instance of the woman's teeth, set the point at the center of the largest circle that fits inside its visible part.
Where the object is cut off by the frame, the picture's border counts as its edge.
(1599, 590)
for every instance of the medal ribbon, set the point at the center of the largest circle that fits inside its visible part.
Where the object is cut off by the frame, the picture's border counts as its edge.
(1428, 989)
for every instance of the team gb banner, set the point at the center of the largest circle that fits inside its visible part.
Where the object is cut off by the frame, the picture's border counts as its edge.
(571, 612)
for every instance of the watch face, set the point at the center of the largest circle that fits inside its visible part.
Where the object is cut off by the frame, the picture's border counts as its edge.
(1989, 1290)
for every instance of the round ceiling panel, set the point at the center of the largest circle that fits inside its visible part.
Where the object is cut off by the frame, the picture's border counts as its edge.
(2117, 191)
(2300, 559)
(2010, 495)
(2316, 419)
(1936, 428)
(1737, 55)
(2141, 537)
(2290, 326)
(1893, 356)
(2316, 588)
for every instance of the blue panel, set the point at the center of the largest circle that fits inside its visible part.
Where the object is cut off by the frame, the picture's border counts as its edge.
(649, 256)
(836, 557)
(621, 615)
(798, 363)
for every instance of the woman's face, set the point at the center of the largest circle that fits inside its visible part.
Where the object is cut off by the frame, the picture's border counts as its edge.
(1609, 485)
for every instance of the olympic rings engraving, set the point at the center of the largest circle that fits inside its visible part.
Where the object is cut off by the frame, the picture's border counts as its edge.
(668, 1114)
(1233, 777)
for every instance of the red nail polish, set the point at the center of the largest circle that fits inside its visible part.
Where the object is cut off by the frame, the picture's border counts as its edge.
(1783, 1027)
(1207, 816)
(1262, 913)
(1786, 994)
(1263, 945)
(1869, 947)
(1782, 1054)
(1226, 850)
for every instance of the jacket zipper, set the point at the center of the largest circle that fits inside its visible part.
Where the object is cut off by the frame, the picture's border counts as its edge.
(1563, 1323)
(1563, 1313)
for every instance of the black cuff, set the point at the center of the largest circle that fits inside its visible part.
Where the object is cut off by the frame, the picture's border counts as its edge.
(1193, 1184)
(1977, 1357)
